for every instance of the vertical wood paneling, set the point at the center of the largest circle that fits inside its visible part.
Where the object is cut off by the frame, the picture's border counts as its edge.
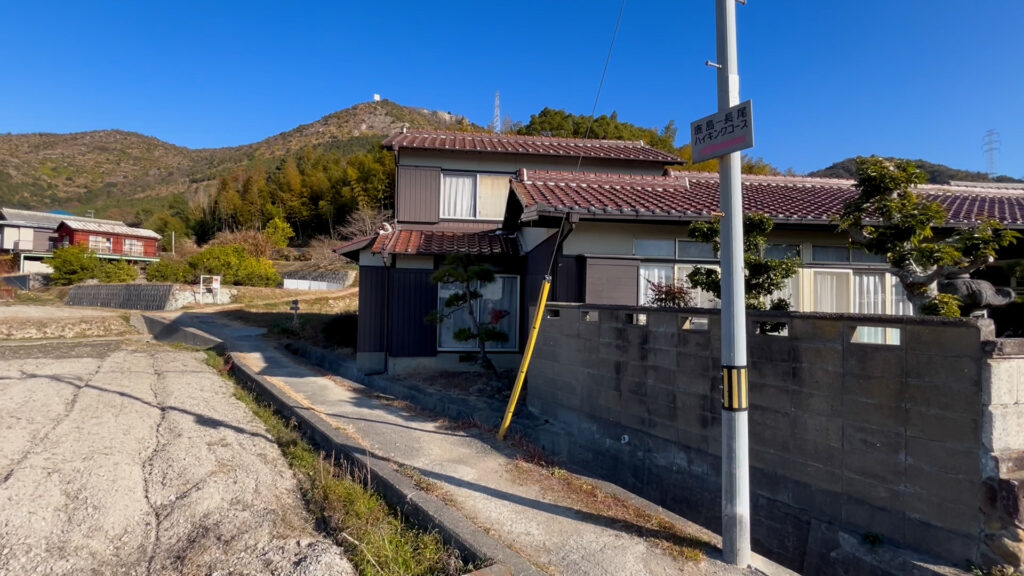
(413, 297)
(418, 194)
(372, 299)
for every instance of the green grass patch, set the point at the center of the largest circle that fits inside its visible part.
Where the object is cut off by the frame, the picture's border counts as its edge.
(376, 540)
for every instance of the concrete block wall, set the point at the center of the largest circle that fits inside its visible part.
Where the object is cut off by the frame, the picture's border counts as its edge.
(869, 438)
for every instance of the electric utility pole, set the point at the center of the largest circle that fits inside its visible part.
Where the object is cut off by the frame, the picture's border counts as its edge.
(735, 452)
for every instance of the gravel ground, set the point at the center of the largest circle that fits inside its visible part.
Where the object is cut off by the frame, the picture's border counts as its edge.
(130, 458)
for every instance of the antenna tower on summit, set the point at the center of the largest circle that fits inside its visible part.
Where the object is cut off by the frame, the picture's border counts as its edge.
(990, 146)
(497, 113)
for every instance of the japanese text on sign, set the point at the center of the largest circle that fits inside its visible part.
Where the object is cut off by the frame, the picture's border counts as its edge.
(722, 133)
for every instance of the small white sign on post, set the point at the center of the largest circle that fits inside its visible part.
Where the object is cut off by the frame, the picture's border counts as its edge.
(722, 132)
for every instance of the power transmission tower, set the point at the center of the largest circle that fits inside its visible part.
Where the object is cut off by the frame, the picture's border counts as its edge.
(990, 147)
(497, 113)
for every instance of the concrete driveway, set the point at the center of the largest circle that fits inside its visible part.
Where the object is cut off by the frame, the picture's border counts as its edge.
(121, 457)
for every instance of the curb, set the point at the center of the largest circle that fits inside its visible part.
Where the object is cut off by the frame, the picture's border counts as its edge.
(398, 491)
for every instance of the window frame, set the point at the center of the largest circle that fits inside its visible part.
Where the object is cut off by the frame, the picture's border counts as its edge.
(513, 338)
(476, 196)
(108, 242)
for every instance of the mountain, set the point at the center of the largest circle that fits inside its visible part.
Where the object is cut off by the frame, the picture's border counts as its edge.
(109, 167)
(937, 173)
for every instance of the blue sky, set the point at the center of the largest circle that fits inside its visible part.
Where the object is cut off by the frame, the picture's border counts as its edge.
(829, 79)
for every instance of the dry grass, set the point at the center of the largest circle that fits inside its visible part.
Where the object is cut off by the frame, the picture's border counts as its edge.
(376, 541)
(569, 490)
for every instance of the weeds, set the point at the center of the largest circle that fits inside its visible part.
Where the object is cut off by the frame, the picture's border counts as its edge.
(375, 540)
(569, 490)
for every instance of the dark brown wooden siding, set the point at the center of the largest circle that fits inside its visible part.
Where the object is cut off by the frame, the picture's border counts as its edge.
(418, 194)
(413, 297)
(611, 281)
(370, 333)
(569, 281)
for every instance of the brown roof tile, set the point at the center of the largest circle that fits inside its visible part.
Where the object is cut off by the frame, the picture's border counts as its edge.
(437, 242)
(688, 195)
(536, 145)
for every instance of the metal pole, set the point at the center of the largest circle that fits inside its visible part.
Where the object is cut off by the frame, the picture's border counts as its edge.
(735, 453)
(527, 354)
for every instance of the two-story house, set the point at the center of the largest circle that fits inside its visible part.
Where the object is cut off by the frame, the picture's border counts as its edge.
(451, 195)
(503, 198)
(33, 236)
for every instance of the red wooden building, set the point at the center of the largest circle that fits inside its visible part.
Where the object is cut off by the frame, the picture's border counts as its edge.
(111, 241)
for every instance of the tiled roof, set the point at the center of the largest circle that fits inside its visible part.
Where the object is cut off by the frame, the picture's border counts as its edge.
(536, 145)
(114, 228)
(437, 242)
(354, 246)
(694, 195)
(46, 219)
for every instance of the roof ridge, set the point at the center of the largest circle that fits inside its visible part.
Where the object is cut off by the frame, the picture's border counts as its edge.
(513, 136)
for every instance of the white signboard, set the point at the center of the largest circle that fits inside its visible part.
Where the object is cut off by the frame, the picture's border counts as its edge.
(722, 132)
(215, 283)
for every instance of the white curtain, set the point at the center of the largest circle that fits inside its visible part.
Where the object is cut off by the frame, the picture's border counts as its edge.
(653, 274)
(901, 305)
(869, 293)
(458, 196)
(831, 291)
(869, 298)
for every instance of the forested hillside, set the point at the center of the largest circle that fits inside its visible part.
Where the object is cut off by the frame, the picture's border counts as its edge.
(937, 173)
(313, 177)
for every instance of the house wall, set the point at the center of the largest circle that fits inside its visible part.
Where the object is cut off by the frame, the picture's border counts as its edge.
(510, 163)
(370, 330)
(81, 238)
(413, 298)
(607, 250)
(22, 237)
(417, 194)
(844, 437)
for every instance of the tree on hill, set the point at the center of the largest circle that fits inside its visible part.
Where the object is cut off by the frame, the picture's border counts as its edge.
(887, 218)
(934, 173)
(551, 122)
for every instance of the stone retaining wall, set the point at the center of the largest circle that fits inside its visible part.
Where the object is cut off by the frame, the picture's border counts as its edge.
(854, 438)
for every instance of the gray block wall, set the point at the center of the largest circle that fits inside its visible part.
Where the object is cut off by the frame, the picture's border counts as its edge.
(123, 296)
(866, 438)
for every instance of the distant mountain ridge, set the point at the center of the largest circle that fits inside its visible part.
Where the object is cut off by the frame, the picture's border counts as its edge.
(937, 173)
(106, 166)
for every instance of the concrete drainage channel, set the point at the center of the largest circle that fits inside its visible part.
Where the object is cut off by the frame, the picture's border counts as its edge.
(422, 509)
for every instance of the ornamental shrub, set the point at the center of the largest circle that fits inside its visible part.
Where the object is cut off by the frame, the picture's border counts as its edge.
(176, 271)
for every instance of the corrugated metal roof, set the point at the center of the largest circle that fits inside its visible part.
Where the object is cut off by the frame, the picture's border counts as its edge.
(694, 195)
(535, 145)
(47, 219)
(115, 228)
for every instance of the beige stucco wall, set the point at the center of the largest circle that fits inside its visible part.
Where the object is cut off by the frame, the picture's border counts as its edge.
(510, 163)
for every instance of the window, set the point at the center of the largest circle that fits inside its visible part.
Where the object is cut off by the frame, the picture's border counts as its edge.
(133, 247)
(845, 255)
(901, 305)
(830, 254)
(701, 299)
(101, 244)
(502, 294)
(862, 256)
(781, 251)
(691, 250)
(653, 248)
(831, 291)
(653, 274)
(473, 196)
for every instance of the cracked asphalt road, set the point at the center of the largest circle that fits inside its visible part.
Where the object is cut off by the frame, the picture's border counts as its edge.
(119, 457)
